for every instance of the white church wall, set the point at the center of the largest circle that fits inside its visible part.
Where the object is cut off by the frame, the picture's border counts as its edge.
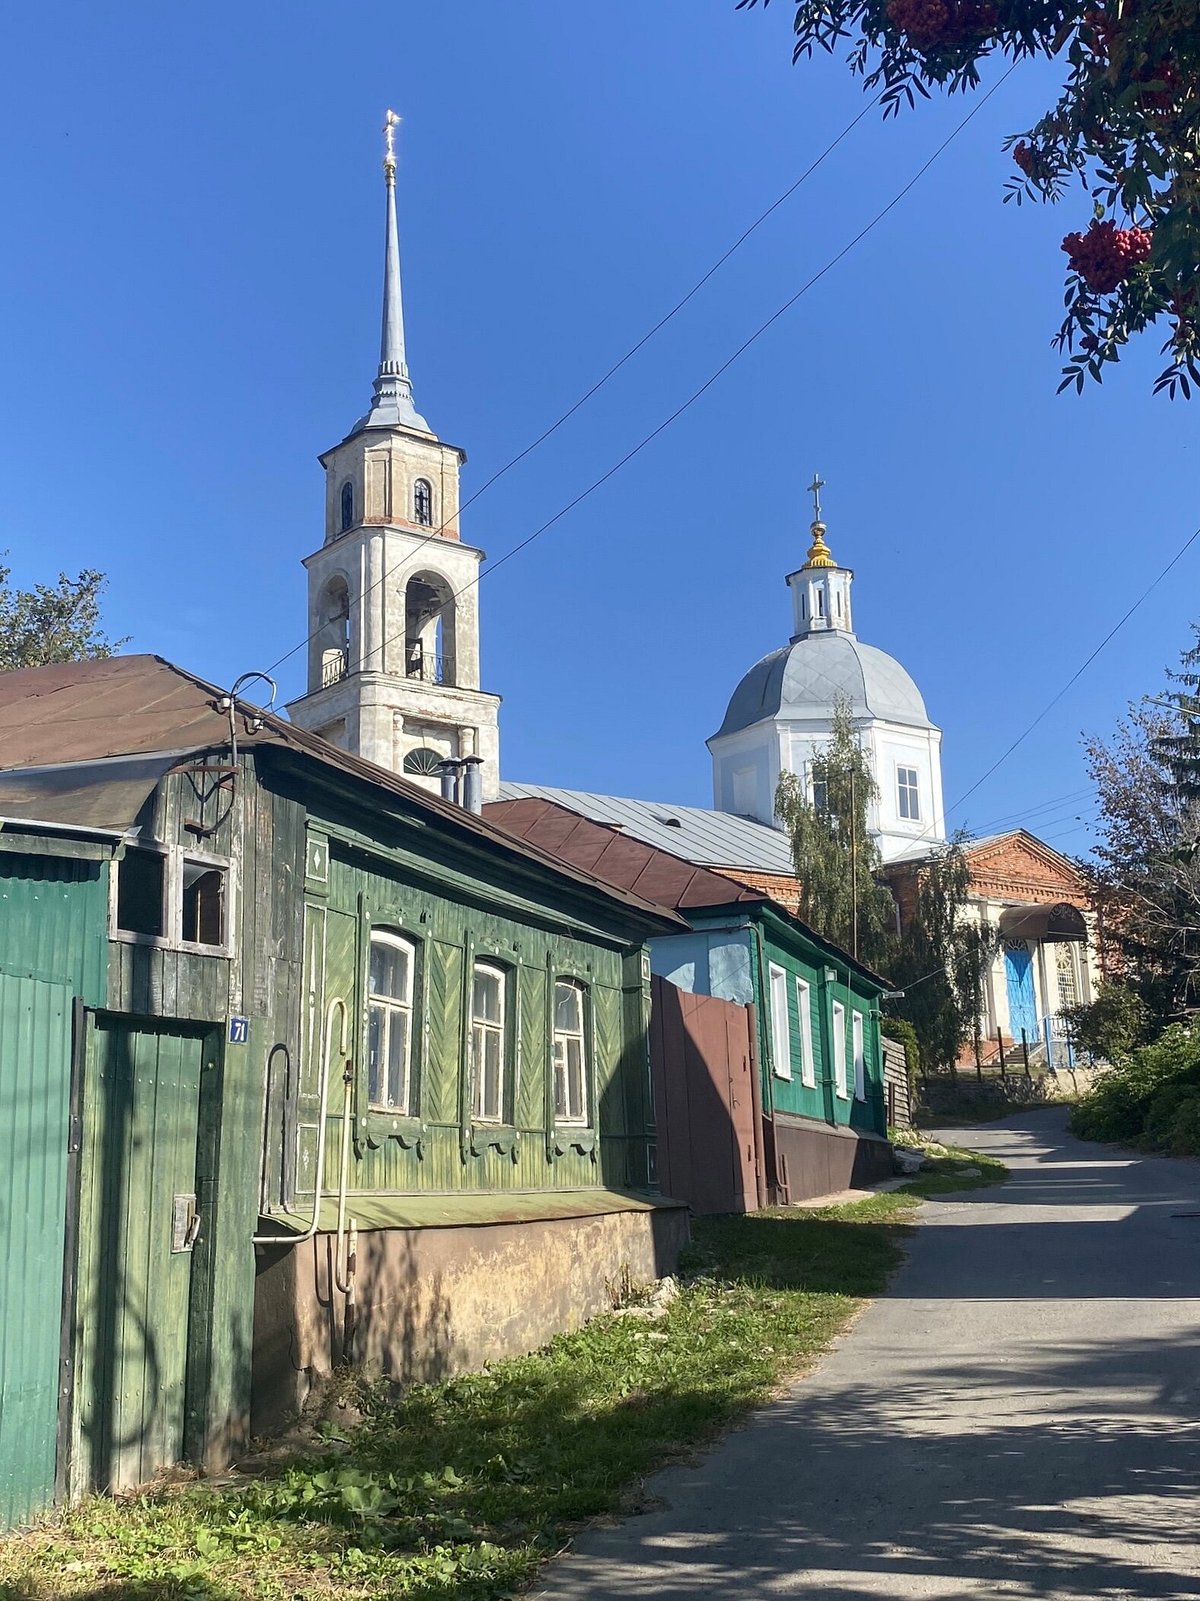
(894, 747)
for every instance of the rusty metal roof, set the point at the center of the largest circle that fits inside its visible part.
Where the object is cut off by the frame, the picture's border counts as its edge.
(628, 863)
(648, 871)
(78, 714)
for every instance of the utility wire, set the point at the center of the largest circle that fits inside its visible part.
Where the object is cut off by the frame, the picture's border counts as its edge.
(1081, 669)
(703, 389)
(633, 350)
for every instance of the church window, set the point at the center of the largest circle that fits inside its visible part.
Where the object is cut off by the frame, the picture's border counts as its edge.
(818, 603)
(803, 608)
(423, 762)
(423, 502)
(908, 793)
(347, 505)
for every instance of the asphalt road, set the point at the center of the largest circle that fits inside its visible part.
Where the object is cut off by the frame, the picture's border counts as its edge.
(1019, 1416)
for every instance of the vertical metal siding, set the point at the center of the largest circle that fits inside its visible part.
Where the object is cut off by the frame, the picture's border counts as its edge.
(53, 921)
(35, 1068)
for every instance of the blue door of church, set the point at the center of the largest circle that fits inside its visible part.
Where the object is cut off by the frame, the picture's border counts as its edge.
(1022, 1008)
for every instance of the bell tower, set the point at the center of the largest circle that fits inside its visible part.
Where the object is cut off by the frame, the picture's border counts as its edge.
(393, 592)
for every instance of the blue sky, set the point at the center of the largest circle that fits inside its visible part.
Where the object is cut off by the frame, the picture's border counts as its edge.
(194, 217)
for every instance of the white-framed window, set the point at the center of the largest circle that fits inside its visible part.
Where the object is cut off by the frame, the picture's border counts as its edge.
(860, 1058)
(908, 794)
(839, 1050)
(808, 1071)
(389, 1023)
(179, 899)
(570, 1052)
(781, 1033)
(818, 602)
(489, 1043)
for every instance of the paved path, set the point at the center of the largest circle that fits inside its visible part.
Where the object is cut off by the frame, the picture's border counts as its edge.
(1020, 1416)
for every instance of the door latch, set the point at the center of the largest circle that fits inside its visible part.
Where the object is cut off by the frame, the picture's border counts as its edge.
(185, 1223)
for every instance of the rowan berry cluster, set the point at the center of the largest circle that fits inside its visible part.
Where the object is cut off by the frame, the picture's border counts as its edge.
(937, 24)
(1105, 255)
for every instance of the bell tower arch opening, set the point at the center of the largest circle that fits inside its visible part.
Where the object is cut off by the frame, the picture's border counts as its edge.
(332, 630)
(429, 630)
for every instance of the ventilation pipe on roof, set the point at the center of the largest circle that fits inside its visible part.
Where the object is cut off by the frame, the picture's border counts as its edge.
(472, 785)
(451, 775)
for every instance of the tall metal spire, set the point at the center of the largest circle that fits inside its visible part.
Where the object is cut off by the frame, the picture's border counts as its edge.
(392, 405)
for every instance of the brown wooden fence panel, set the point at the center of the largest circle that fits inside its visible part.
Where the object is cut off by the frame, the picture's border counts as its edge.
(702, 1060)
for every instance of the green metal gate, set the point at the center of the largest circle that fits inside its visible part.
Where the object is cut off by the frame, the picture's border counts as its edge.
(35, 1083)
(141, 1215)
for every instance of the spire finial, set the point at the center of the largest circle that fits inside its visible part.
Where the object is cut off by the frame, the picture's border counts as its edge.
(819, 554)
(390, 123)
(392, 406)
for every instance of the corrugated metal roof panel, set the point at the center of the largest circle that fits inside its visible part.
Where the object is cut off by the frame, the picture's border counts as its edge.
(709, 838)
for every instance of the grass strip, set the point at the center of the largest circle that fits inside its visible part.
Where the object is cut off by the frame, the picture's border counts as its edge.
(465, 1487)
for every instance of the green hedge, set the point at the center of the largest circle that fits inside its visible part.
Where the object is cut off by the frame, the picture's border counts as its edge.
(1152, 1098)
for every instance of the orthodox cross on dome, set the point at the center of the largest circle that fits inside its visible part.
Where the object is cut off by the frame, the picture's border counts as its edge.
(819, 554)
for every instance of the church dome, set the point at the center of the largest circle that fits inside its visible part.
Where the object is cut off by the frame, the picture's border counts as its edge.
(805, 678)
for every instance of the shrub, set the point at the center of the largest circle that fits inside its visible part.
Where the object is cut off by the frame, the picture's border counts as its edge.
(1185, 1127)
(1119, 1106)
(1112, 1026)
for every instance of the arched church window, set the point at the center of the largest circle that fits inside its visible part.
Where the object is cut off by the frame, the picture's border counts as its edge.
(347, 505)
(819, 603)
(423, 502)
(423, 762)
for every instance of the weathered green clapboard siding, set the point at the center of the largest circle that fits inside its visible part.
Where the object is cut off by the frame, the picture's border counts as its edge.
(441, 1151)
(787, 947)
(262, 835)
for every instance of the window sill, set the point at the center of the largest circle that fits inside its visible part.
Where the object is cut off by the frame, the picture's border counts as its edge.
(502, 1137)
(162, 942)
(566, 1137)
(379, 1125)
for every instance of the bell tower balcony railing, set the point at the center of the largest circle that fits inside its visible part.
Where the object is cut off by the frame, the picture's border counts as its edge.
(429, 667)
(335, 664)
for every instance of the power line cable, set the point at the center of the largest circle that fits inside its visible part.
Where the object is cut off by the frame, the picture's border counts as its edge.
(633, 350)
(696, 394)
(1080, 670)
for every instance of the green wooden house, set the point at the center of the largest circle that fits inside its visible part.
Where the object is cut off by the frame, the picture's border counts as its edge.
(817, 1009)
(323, 1068)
